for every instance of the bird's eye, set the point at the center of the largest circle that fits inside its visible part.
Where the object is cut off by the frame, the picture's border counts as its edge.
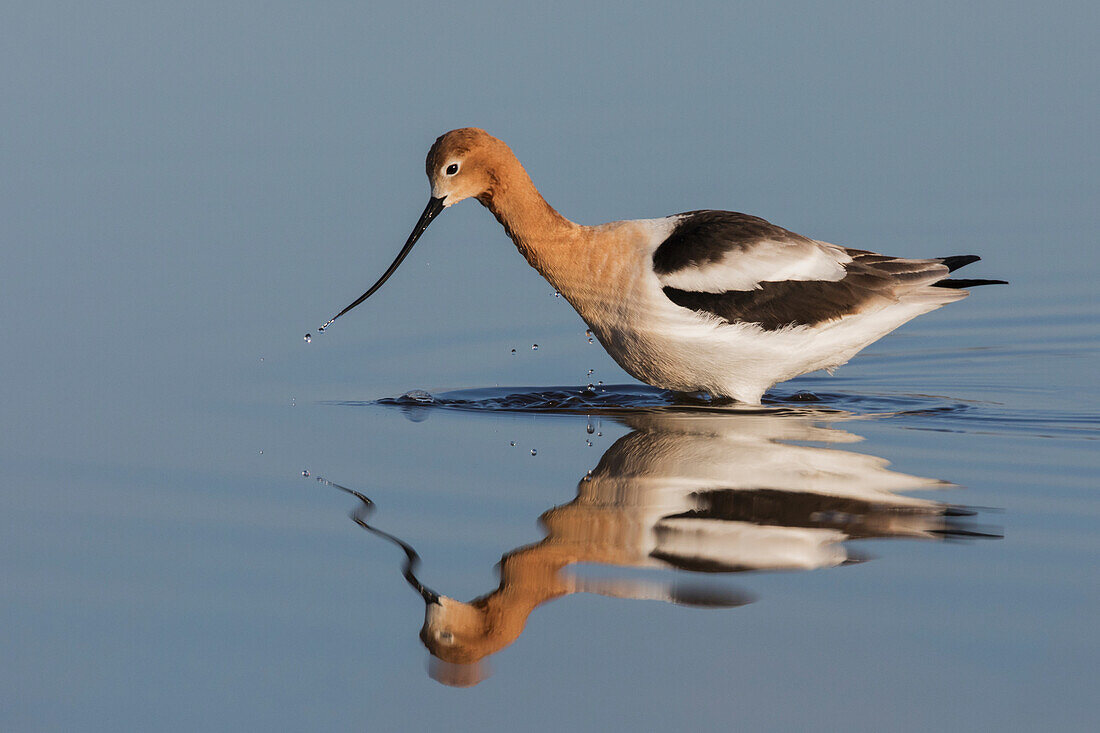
(452, 169)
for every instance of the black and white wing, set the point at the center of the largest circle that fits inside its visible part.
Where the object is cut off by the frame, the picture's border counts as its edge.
(744, 269)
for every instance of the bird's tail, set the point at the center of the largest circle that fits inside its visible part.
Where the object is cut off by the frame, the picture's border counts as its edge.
(960, 283)
(955, 262)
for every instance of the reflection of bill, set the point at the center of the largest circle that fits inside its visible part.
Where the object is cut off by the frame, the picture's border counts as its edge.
(703, 494)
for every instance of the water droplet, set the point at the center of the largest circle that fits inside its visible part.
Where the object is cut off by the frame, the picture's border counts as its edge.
(591, 372)
(307, 338)
(588, 335)
(588, 476)
(589, 429)
(600, 381)
(534, 347)
(590, 388)
(588, 442)
(261, 358)
(599, 435)
(305, 473)
(512, 443)
(557, 294)
(534, 452)
(513, 351)
(261, 453)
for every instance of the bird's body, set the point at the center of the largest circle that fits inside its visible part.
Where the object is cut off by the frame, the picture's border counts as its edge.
(706, 301)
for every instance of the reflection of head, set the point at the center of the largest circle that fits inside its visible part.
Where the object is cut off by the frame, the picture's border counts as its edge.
(456, 632)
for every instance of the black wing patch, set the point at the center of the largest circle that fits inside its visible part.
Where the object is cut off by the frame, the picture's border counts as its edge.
(870, 277)
(776, 305)
(704, 237)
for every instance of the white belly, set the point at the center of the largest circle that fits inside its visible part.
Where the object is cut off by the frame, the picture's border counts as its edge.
(676, 348)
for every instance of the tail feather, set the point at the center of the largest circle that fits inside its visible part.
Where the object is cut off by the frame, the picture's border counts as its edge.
(956, 261)
(963, 283)
(953, 263)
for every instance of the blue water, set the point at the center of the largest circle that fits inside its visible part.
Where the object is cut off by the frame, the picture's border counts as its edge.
(910, 544)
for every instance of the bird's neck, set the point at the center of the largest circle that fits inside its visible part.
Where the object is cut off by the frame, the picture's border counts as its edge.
(595, 268)
(547, 240)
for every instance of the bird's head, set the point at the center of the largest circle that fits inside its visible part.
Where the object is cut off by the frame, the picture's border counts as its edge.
(464, 164)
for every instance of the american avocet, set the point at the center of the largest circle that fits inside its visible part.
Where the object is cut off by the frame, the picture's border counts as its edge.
(706, 301)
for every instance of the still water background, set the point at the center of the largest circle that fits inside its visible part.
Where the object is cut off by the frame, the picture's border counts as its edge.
(188, 189)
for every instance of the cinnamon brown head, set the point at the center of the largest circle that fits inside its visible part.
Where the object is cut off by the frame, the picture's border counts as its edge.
(467, 163)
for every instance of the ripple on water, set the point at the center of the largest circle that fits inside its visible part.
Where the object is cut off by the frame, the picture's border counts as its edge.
(620, 399)
(915, 411)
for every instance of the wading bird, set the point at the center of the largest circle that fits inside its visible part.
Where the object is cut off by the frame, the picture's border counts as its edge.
(717, 302)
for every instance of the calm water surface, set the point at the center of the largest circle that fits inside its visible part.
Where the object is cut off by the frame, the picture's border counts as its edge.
(911, 544)
(902, 539)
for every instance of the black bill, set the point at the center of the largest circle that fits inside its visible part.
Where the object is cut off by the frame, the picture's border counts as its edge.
(430, 212)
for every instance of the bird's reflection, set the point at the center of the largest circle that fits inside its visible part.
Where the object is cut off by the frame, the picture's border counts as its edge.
(704, 494)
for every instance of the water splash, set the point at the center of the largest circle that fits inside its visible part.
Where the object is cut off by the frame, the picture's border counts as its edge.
(625, 399)
(418, 396)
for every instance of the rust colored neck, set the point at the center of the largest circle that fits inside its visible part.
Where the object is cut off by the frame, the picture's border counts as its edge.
(594, 268)
(544, 237)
